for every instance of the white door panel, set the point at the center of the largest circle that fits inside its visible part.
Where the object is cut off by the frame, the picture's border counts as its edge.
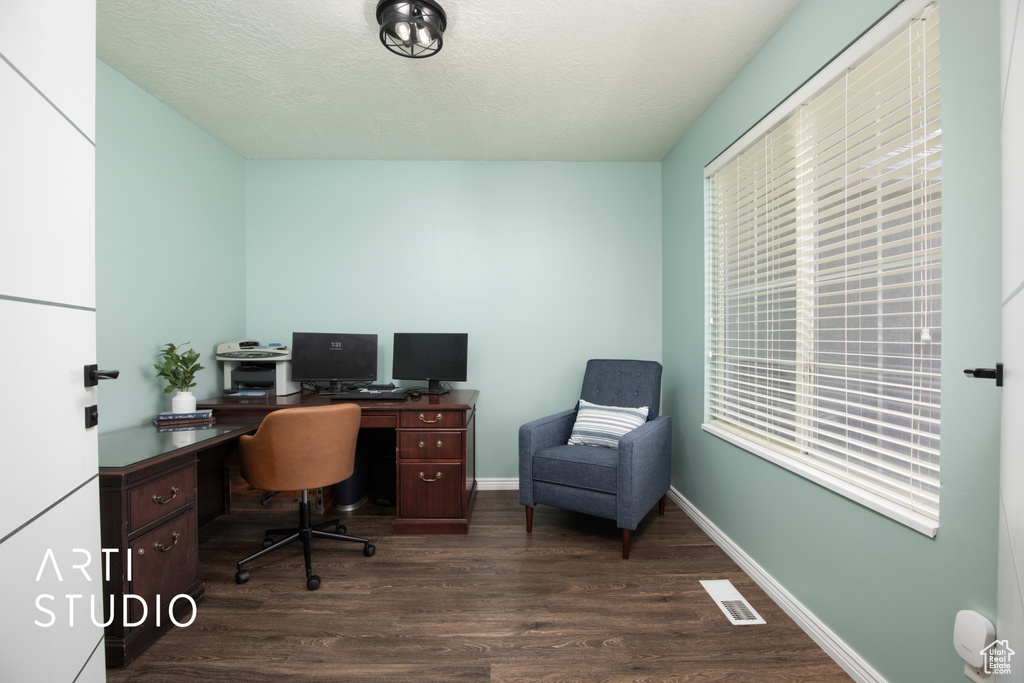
(1010, 600)
(1012, 459)
(47, 200)
(95, 670)
(1013, 168)
(72, 525)
(47, 282)
(1010, 568)
(53, 43)
(49, 452)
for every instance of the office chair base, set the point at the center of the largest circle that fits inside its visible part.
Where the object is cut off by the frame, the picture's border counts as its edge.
(338, 529)
(304, 533)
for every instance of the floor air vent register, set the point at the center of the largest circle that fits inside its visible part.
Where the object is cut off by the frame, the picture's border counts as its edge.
(733, 605)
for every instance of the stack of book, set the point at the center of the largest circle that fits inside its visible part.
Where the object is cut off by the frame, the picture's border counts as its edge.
(170, 422)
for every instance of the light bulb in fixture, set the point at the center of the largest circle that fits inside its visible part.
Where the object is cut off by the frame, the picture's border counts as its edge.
(411, 28)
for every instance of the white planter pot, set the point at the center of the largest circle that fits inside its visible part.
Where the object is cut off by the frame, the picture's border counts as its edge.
(183, 402)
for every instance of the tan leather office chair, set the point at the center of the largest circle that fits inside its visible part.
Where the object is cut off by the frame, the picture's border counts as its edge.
(302, 449)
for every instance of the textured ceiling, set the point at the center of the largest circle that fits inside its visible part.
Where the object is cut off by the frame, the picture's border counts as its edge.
(552, 80)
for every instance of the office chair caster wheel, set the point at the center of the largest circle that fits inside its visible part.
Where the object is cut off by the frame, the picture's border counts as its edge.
(341, 529)
(242, 576)
(369, 549)
(313, 582)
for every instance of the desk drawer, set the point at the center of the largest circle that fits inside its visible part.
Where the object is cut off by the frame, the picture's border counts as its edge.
(430, 445)
(161, 497)
(431, 419)
(165, 561)
(430, 490)
(374, 421)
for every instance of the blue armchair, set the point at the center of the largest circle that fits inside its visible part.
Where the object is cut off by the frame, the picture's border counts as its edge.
(621, 483)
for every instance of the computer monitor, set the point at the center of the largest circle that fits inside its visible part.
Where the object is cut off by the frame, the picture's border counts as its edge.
(435, 357)
(340, 359)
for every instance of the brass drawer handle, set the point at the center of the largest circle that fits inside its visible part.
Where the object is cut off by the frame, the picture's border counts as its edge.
(158, 546)
(159, 499)
(439, 444)
(424, 478)
(423, 418)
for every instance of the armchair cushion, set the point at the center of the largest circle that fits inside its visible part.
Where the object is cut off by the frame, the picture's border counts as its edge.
(598, 425)
(593, 468)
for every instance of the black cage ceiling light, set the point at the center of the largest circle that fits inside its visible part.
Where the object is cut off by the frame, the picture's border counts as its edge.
(411, 28)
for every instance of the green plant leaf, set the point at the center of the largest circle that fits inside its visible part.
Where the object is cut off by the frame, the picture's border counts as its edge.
(178, 367)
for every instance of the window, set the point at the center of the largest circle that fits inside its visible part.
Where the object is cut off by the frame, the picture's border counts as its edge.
(824, 276)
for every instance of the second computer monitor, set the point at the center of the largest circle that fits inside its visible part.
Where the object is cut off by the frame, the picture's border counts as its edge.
(431, 356)
(340, 359)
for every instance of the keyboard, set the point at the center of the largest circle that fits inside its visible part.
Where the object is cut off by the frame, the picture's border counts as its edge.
(362, 395)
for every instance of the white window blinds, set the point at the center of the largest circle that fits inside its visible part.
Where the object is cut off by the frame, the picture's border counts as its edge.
(824, 276)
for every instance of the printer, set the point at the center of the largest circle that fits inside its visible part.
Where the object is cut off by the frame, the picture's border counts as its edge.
(252, 367)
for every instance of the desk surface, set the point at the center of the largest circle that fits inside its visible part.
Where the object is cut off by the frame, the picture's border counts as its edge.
(239, 415)
(458, 399)
(134, 445)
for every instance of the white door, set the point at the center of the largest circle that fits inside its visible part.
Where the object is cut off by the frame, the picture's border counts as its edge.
(49, 505)
(1010, 615)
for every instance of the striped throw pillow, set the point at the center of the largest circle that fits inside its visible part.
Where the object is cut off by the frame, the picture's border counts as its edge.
(603, 425)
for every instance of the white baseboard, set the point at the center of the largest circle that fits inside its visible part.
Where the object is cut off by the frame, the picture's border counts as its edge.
(498, 484)
(836, 648)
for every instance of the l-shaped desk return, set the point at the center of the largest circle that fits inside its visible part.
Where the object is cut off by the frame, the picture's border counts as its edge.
(156, 489)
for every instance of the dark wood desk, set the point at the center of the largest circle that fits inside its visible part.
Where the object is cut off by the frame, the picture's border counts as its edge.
(435, 456)
(150, 511)
(158, 488)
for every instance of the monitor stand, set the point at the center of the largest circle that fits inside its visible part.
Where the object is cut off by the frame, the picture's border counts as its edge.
(435, 386)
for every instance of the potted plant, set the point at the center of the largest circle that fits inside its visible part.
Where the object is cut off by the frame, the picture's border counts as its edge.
(179, 368)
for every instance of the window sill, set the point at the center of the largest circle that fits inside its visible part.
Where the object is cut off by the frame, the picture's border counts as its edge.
(918, 522)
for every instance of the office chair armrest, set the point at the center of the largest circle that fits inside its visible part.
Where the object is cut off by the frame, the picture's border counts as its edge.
(645, 466)
(553, 430)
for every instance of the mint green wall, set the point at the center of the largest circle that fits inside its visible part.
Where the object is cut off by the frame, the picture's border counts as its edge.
(888, 592)
(170, 246)
(545, 265)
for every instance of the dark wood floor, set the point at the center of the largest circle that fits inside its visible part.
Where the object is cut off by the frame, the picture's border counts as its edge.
(496, 604)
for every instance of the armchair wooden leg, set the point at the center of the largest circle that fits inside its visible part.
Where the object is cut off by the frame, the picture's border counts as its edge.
(626, 535)
(661, 506)
(529, 520)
